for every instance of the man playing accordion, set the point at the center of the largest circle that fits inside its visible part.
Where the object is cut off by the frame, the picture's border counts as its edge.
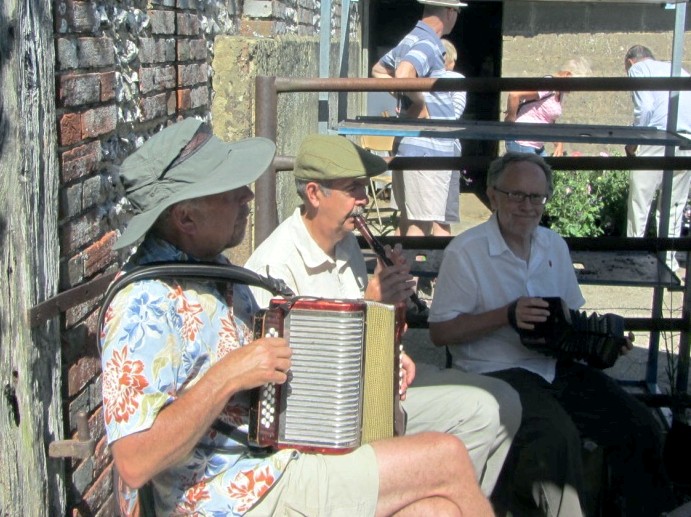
(179, 356)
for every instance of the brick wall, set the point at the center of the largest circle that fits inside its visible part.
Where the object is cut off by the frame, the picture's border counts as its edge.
(124, 70)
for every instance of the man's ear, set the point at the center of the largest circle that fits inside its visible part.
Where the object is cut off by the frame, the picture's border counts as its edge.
(492, 195)
(313, 193)
(182, 218)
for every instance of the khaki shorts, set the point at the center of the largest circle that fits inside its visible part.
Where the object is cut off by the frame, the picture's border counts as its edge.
(452, 214)
(339, 485)
(422, 195)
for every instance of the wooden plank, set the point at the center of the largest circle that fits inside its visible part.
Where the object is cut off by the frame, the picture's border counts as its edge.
(52, 307)
(31, 409)
(493, 130)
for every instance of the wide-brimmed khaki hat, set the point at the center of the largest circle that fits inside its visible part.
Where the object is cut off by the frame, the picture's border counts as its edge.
(331, 157)
(444, 3)
(185, 161)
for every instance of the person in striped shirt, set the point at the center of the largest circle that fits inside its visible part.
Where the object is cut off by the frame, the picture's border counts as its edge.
(421, 195)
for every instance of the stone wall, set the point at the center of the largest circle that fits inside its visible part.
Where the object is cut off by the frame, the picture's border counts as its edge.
(125, 69)
(233, 106)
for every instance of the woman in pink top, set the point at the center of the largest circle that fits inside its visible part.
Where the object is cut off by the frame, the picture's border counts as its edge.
(541, 108)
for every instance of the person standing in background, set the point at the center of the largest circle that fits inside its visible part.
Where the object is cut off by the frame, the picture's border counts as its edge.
(650, 110)
(458, 99)
(422, 195)
(541, 107)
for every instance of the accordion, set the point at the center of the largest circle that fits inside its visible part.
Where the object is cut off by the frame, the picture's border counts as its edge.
(343, 385)
(568, 334)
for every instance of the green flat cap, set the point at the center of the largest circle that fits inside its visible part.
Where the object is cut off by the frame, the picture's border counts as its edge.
(330, 157)
(185, 161)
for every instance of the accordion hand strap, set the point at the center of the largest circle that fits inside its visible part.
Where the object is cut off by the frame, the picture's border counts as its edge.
(199, 270)
(511, 313)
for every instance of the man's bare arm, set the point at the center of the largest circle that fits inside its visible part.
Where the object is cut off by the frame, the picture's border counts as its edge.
(179, 426)
(379, 71)
(418, 109)
(469, 327)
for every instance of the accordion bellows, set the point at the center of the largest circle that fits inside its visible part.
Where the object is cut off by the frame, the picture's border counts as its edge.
(342, 388)
(569, 334)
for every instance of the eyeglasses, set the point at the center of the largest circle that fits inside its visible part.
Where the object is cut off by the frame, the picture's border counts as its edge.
(519, 197)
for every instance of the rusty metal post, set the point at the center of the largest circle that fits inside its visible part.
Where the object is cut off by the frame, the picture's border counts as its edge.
(266, 121)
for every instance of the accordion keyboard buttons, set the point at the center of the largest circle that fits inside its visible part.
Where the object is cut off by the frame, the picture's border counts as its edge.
(268, 395)
(268, 402)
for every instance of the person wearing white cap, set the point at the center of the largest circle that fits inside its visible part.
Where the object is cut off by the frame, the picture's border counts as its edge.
(179, 356)
(421, 195)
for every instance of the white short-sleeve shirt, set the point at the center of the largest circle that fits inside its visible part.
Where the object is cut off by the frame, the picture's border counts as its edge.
(291, 254)
(480, 273)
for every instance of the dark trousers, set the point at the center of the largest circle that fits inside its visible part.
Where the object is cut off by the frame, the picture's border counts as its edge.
(544, 469)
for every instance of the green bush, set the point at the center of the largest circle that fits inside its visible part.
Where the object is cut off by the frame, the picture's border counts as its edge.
(588, 203)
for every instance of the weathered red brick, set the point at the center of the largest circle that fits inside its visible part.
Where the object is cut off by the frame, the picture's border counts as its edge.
(183, 99)
(188, 24)
(98, 431)
(96, 495)
(70, 129)
(78, 89)
(162, 22)
(265, 28)
(75, 314)
(100, 254)
(81, 373)
(156, 78)
(81, 231)
(99, 121)
(199, 97)
(192, 50)
(190, 75)
(108, 85)
(81, 161)
(76, 17)
(95, 52)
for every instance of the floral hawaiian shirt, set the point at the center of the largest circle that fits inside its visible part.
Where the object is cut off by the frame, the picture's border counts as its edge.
(158, 339)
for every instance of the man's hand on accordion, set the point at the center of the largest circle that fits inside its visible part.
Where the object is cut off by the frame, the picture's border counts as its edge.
(265, 360)
(524, 312)
(407, 374)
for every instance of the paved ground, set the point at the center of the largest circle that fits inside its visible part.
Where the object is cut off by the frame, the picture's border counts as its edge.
(626, 301)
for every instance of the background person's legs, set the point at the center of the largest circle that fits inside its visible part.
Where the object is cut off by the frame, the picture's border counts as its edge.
(642, 188)
(644, 185)
(421, 198)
